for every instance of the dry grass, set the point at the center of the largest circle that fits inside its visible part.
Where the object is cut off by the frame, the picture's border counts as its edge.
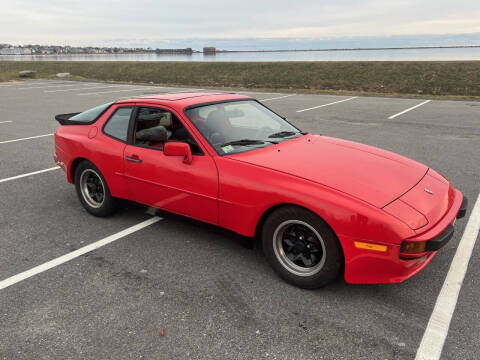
(450, 78)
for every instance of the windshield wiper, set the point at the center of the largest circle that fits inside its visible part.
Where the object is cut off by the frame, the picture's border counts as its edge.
(246, 142)
(283, 134)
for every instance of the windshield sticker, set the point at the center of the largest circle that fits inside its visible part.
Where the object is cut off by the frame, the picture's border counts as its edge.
(227, 149)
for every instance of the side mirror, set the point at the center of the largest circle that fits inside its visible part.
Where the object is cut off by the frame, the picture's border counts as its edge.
(179, 149)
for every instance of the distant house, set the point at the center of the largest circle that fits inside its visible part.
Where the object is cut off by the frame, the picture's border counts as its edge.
(210, 50)
(15, 51)
(186, 51)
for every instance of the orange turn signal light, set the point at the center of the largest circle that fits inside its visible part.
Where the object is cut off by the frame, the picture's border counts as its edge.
(370, 246)
(414, 247)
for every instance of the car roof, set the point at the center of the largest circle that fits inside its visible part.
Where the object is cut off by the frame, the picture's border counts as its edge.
(185, 99)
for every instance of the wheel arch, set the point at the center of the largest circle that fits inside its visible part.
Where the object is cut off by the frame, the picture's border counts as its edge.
(270, 210)
(73, 168)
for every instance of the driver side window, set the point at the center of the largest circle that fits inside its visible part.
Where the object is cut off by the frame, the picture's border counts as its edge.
(155, 126)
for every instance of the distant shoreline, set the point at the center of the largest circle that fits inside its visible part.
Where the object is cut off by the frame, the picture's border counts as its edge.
(355, 49)
(218, 51)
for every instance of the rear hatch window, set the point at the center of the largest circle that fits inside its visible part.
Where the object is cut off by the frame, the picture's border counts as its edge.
(86, 117)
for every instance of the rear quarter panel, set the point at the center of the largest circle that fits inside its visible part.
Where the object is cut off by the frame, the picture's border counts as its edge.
(73, 142)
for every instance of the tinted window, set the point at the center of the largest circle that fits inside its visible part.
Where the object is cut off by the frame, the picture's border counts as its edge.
(117, 125)
(91, 114)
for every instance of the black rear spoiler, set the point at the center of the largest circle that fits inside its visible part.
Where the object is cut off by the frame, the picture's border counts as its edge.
(63, 119)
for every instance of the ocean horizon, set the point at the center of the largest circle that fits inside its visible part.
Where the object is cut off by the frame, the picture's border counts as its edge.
(405, 54)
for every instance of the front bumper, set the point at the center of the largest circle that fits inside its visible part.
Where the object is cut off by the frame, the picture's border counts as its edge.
(463, 208)
(370, 267)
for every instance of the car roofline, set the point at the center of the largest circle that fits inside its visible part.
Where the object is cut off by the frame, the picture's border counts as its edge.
(193, 106)
(154, 98)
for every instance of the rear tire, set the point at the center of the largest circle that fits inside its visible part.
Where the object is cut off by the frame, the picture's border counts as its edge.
(301, 247)
(93, 191)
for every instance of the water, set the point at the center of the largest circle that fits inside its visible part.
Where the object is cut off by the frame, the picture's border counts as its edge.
(444, 54)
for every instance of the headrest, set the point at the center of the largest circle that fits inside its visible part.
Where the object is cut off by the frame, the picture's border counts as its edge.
(156, 133)
(166, 119)
(216, 115)
(163, 118)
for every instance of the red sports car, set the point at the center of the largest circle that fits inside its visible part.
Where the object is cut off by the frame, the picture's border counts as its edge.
(318, 204)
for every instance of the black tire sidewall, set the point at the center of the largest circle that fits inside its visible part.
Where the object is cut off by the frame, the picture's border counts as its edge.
(108, 206)
(334, 258)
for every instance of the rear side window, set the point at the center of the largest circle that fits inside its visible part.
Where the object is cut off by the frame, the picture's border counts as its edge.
(90, 115)
(117, 125)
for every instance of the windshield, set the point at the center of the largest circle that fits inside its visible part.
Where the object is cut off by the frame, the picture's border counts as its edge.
(90, 115)
(239, 126)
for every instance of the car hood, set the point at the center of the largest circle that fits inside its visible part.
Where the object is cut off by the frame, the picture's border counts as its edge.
(365, 172)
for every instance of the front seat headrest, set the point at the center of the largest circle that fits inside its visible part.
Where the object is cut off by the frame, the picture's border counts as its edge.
(216, 119)
(156, 133)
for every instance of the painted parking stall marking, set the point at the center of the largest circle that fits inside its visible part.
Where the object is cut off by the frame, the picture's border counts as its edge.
(439, 323)
(409, 109)
(146, 95)
(5, 122)
(113, 91)
(74, 254)
(33, 83)
(188, 90)
(29, 174)
(258, 92)
(27, 138)
(45, 87)
(329, 104)
(278, 97)
(85, 88)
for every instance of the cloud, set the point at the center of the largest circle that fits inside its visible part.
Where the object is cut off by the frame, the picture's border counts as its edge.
(94, 22)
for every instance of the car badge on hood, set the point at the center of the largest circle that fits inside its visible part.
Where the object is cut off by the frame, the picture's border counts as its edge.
(428, 191)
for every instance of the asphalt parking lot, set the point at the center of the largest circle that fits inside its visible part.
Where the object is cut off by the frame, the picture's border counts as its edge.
(214, 297)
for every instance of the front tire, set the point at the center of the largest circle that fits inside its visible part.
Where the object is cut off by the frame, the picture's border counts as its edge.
(301, 247)
(92, 190)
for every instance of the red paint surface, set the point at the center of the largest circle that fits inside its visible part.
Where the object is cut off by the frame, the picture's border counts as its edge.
(363, 193)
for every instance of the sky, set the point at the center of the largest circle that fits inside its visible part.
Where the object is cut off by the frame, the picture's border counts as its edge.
(159, 23)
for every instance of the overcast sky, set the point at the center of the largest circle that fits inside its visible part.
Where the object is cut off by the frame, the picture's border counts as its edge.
(98, 22)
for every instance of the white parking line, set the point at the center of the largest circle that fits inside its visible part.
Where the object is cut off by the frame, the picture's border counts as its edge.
(108, 92)
(332, 103)
(159, 92)
(74, 254)
(11, 84)
(45, 87)
(4, 122)
(278, 98)
(254, 92)
(187, 90)
(173, 92)
(84, 88)
(32, 83)
(28, 174)
(409, 109)
(27, 138)
(437, 329)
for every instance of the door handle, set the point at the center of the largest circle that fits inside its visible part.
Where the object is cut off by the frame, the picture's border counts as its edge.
(133, 159)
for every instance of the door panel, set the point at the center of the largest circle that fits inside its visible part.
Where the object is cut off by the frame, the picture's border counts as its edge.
(167, 183)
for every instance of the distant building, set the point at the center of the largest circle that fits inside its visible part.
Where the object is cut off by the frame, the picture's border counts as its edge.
(186, 51)
(15, 51)
(210, 50)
